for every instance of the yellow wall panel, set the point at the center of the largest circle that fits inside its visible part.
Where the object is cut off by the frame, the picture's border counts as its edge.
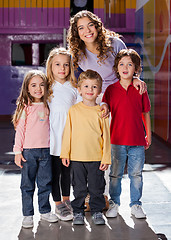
(107, 6)
(101, 3)
(96, 3)
(123, 6)
(45, 4)
(17, 3)
(22, 3)
(56, 4)
(61, 4)
(28, 4)
(118, 6)
(5, 4)
(67, 3)
(1, 3)
(130, 3)
(50, 3)
(39, 3)
(11, 3)
(34, 4)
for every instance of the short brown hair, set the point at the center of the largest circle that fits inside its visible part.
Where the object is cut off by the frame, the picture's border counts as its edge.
(135, 57)
(90, 74)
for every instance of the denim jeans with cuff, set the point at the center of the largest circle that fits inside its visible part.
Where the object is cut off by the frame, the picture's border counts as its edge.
(135, 157)
(36, 169)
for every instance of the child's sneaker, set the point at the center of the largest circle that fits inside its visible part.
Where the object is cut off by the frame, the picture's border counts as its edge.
(63, 212)
(78, 219)
(27, 222)
(113, 210)
(68, 204)
(50, 217)
(98, 218)
(137, 211)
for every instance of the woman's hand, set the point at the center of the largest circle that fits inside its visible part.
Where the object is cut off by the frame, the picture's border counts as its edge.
(139, 85)
(105, 110)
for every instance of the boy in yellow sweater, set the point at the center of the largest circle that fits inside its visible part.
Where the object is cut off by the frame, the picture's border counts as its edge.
(86, 143)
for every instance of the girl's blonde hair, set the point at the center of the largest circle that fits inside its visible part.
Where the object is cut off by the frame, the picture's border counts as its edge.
(54, 52)
(25, 99)
(77, 46)
(90, 74)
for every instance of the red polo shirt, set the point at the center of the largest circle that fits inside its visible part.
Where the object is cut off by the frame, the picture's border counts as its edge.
(126, 108)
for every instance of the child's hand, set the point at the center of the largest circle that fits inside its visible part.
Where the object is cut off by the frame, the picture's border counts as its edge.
(103, 167)
(18, 160)
(65, 162)
(105, 110)
(148, 142)
(139, 85)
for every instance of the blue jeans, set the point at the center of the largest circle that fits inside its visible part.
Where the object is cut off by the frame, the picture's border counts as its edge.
(37, 169)
(136, 157)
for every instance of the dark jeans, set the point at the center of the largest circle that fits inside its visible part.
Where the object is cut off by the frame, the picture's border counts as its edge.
(37, 169)
(60, 179)
(86, 177)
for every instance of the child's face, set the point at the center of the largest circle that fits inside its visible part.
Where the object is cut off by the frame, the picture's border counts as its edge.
(89, 90)
(36, 88)
(86, 30)
(126, 68)
(61, 67)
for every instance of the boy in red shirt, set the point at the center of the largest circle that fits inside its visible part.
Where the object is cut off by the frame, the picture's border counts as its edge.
(129, 110)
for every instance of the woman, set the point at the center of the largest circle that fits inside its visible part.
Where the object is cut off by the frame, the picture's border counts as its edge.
(94, 47)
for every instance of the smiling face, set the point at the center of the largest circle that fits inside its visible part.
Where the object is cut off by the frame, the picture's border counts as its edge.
(126, 68)
(86, 30)
(36, 88)
(89, 90)
(61, 67)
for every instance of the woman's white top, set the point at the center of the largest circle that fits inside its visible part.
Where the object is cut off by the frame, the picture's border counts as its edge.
(64, 96)
(105, 69)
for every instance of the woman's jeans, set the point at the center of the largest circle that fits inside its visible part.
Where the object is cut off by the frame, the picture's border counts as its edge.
(37, 169)
(135, 157)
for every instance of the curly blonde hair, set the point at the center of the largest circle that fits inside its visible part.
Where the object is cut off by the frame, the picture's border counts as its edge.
(25, 99)
(51, 80)
(77, 46)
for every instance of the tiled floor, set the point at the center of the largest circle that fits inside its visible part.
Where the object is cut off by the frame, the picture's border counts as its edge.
(156, 203)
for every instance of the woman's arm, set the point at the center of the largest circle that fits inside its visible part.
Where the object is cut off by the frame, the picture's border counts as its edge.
(139, 85)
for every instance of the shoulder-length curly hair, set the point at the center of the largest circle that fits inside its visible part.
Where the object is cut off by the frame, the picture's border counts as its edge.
(77, 46)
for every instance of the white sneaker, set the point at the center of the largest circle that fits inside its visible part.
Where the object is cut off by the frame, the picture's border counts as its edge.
(50, 217)
(27, 222)
(63, 212)
(113, 210)
(137, 211)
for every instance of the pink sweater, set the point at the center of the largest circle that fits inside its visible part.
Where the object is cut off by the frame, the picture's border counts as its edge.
(32, 130)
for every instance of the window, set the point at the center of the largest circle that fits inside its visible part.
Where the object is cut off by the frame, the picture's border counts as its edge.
(21, 54)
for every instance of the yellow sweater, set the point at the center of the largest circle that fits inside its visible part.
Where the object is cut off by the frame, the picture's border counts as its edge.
(86, 136)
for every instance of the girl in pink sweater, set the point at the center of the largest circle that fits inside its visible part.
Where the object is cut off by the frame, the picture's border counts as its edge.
(31, 148)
